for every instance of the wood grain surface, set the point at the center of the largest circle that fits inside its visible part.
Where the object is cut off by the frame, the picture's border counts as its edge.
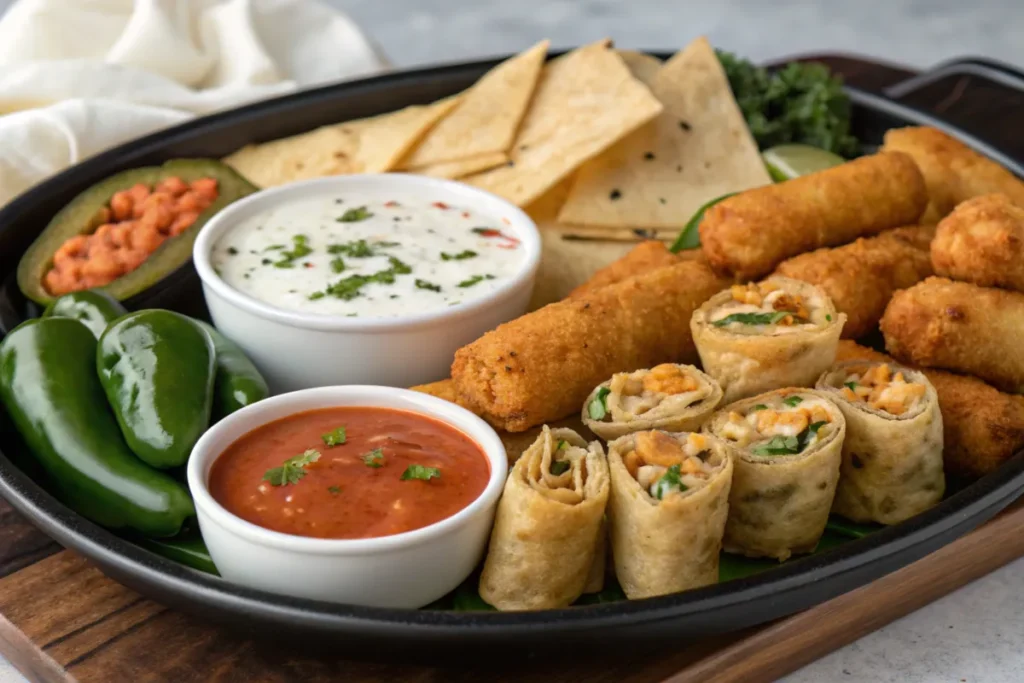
(62, 620)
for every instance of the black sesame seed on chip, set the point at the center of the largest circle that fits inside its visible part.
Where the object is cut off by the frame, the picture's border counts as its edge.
(614, 194)
(649, 156)
(684, 125)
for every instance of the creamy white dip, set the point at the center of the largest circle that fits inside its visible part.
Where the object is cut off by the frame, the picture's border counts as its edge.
(342, 256)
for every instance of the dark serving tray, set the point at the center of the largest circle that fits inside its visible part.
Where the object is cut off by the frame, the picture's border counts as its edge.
(729, 606)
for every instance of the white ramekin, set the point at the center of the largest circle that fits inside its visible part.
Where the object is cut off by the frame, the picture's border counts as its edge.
(407, 570)
(300, 350)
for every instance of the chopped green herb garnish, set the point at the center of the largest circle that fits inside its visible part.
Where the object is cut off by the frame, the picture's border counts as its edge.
(475, 279)
(668, 482)
(274, 247)
(809, 433)
(793, 401)
(461, 256)
(560, 467)
(353, 249)
(423, 284)
(299, 249)
(337, 265)
(385, 245)
(398, 266)
(350, 287)
(232, 251)
(316, 295)
(828, 317)
(292, 470)
(355, 215)
(374, 458)
(753, 318)
(334, 490)
(597, 408)
(760, 406)
(420, 472)
(852, 386)
(335, 437)
(779, 445)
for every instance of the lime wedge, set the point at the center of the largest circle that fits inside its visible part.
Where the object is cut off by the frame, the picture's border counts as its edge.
(786, 162)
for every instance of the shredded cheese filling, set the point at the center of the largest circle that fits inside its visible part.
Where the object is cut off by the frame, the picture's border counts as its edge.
(882, 390)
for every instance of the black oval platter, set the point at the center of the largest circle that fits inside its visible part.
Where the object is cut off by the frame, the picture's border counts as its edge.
(432, 634)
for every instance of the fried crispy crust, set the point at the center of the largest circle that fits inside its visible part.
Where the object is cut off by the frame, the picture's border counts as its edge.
(982, 242)
(861, 277)
(952, 171)
(982, 427)
(541, 366)
(749, 234)
(961, 327)
(642, 258)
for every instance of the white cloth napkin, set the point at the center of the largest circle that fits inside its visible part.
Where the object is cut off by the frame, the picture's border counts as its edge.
(84, 75)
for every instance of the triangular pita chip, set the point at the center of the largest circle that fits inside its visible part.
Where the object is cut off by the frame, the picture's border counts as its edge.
(642, 65)
(372, 145)
(586, 101)
(699, 148)
(488, 115)
(462, 167)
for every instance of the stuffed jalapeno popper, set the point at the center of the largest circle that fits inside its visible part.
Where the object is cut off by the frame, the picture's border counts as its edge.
(673, 398)
(892, 453)
(669, 503)
(767, 335)
(547, 528)
(786, 446)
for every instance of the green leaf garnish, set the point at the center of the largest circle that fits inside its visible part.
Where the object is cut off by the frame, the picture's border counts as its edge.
(597, 408)
(689, 237)
(274, 247)
(778, 445)
(562, 443)
(316, 295)
(355, 215)
(792, 401)
(475, 279)
(807, 434)
(423, 284)
(292, 470)
(668, 481)
(334, 490)
(398, 266)
(828, 317)
(337, 264)
(335, 437)
(420, 472)
(300, 248)
(753, 318)
(353, 249)
(560, 467)
(350, 287)
(461, 256)
(374, 458)
(852, 386)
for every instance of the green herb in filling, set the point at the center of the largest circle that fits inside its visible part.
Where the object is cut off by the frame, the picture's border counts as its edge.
(423, 284)
(828, 317)
(852, 386)
(560, 467)
(669, 482)
(597, 408)
(562, 443)
(760, 406)
(292, 470)
(753, 318)
(355, 215)
(475, 279)
(374, 458)
(778, 445)
(335, 437)
(461, 256)
(792, 401)
(420, 472)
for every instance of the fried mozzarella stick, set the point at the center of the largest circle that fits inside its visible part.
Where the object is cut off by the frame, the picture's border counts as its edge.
(961, 327)
(861, 277)
(541, 366)
(643, 258)
(982, 242)
(952, 171)
(751, 233)
(982, 427)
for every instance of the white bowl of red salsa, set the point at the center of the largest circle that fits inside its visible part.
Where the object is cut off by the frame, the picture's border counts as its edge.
(362, 495)
(365, 279)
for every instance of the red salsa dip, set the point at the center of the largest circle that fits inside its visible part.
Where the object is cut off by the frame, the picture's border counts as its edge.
(349, 473)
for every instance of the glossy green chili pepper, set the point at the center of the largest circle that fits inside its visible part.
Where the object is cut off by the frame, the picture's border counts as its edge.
(187, 548)
(157, 369)
(48, 385)
(238, 381)
(95, 308)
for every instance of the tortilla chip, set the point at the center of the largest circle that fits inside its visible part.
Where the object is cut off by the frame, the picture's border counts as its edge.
(642, 65)
(545, 208)
(372, 145)
(487, 118)
(462, 167)
(698, 149)
(567, 264)
(586, 101)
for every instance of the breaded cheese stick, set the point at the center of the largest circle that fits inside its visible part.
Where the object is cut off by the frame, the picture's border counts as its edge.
(642, 258)
(861, 277)
(541, 366)
(982, 427)
(961, 327)
(952, 171)
(751, 233)
(982, 242)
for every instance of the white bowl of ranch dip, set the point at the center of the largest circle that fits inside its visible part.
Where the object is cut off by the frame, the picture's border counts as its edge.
(364, 279)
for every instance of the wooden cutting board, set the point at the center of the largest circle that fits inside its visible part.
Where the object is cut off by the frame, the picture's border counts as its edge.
(61, 620)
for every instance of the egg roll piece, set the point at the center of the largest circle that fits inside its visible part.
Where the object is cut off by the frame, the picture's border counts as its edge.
(961, 327)
(669, 503)
(546, 529)
(786, 446)
(642, 258)
(541, 367)
(669, 397)
(751, 233)
(892, 453)
(981, 426)
(861, 277)
(776, 333)
(953, 172)
(982, 242)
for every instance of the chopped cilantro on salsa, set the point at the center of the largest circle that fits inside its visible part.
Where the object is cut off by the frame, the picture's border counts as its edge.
(292, 470)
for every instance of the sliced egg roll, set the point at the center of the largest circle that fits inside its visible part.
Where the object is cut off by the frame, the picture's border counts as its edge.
(767, 335)
(669, 503)
(892, 453)
(673, 398)
(547, 526)
(786, 446)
